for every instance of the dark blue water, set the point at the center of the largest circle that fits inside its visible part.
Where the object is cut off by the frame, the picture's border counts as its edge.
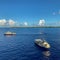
(22, 47)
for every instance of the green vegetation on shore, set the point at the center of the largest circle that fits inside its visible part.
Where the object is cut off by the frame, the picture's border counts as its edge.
(30, 27)
(36, 27)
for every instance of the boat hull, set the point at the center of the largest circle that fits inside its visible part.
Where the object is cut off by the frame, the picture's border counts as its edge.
(40, 43)
(9, 34)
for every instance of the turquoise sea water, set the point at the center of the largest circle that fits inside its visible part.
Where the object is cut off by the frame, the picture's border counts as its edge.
(22, 47)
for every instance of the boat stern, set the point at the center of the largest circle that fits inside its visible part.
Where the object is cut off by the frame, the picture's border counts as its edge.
(46, 45)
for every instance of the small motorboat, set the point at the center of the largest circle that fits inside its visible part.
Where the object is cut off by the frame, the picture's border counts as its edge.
(42, 43)
(9, 33)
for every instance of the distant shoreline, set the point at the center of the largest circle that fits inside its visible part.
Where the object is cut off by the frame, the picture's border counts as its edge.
(33, 27)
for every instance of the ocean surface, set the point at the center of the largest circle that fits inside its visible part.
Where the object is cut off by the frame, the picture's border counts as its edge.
(22, 46)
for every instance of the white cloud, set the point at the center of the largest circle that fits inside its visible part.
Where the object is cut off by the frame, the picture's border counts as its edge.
(11, 22)
(3, 22)
(25, 23)
(42, 22)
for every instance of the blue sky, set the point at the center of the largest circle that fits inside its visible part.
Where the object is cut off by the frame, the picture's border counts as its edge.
(31, 11)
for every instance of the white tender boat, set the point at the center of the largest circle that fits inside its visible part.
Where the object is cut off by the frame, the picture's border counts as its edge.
(9, 33)
(42, 43)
